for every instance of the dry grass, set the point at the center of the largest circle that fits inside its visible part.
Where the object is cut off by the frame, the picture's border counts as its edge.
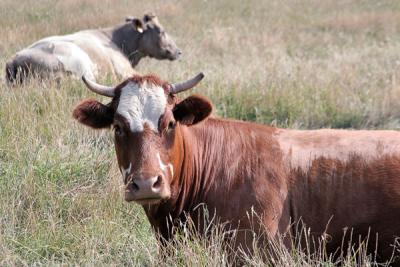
(291, 63)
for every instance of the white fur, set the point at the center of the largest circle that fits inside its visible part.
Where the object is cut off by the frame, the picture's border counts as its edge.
(75, 60)
(83, 53)
(142, 104)
(125, 172)
(163, 166)
(67, 50)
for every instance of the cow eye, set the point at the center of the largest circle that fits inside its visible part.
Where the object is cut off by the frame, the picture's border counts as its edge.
(117, 130)
(171, 125)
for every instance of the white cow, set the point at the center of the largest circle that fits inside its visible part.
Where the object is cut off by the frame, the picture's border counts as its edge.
(114, 50)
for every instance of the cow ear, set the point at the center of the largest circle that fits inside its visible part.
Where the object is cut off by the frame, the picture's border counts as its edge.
(149, 17)
(94, 114)
(138, 25)
(192, 110)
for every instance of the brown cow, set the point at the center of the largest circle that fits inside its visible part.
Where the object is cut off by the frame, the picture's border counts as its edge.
(174, 157)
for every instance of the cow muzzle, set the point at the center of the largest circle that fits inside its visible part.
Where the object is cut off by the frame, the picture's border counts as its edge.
(173, 55)
(147, 190)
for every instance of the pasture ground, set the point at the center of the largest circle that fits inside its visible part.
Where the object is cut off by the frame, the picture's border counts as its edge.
(289, 63)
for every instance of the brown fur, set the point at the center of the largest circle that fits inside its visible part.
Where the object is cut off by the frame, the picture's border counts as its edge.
(139, 79)
(328, 179)
(94, 114)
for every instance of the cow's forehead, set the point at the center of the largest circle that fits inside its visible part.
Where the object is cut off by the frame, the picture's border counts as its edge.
(142, 103)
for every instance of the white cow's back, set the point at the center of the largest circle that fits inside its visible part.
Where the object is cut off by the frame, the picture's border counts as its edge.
(84, 53)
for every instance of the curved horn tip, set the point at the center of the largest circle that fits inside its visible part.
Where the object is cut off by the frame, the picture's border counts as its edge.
(180, 87)
(98, 88)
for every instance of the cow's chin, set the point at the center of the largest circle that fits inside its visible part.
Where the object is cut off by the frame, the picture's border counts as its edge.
(149, 201)
(145, 201)
(168, 56)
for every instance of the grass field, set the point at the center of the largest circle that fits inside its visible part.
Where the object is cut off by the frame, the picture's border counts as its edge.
(289, 63)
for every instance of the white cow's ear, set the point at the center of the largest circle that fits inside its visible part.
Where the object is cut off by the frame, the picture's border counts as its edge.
(149, 17)
(138, 25)
(192, 110)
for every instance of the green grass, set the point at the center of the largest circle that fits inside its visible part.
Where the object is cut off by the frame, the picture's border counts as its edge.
(297, 64)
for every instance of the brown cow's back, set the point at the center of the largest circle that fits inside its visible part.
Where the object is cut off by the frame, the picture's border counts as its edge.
(344, 179)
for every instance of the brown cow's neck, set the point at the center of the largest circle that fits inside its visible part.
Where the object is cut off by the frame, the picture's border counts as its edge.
(190, 188)
(218, 162)
(194, 181)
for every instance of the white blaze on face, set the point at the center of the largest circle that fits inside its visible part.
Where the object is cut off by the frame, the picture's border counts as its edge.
(125, 172)
(163, 166)
(141, 104)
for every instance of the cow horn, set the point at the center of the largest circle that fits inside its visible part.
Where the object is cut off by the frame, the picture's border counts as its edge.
(180, 87)
(98, 88)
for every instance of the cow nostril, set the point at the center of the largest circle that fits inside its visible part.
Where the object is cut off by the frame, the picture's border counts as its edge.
(135, 186)
(158, 182)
